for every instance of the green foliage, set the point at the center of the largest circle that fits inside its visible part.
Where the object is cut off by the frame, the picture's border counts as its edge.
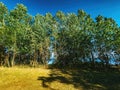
(75, 37)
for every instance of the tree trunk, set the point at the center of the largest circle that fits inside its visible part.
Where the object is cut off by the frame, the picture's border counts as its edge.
(92, 59)
(107, 61)
(6, 60)
(12, 60)
(35, 59)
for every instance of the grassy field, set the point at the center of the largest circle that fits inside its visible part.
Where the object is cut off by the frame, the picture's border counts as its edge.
(18, 78)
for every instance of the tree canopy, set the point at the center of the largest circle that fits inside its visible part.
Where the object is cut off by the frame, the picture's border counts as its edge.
(75, 38)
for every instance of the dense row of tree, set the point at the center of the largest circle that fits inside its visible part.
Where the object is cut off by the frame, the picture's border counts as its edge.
(74, 38)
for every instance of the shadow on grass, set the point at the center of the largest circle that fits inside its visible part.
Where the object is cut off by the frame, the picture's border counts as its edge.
(88, 79)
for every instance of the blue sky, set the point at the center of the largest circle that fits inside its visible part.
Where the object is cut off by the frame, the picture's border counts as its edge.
(107, 8)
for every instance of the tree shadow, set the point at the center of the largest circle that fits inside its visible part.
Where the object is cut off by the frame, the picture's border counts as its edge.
(88, 79)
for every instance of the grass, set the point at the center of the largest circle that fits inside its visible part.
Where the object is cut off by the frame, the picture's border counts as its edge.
(20, 78)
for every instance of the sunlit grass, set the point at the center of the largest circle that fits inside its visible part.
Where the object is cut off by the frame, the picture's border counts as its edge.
(21, 78)
(26, 78)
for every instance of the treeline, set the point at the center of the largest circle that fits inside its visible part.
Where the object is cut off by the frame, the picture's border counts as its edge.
(75, 39)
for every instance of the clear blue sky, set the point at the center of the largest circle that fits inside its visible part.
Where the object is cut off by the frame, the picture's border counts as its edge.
(107, 8)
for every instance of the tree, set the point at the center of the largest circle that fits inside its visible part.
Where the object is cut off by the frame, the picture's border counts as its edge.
(106, 37)
(15, 26)
(3, 19)
(74, 38)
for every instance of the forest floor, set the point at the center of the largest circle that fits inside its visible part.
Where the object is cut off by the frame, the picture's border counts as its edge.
(18, 78)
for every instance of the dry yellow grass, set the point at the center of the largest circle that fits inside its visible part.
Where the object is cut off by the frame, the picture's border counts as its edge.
(28, 79)
(21, 78)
